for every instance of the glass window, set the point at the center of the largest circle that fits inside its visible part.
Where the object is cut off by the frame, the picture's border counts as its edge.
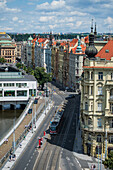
(86, 106)
(111, 76)
(111, 123)
(98, 149)
(98, 138)
(91, 106)
(99, 122)
(100, 75)
(99, 90)
(91, 90)
(91, 75)
(111, 107)
(22, 93)
(99, 106)
(0, 84)
(111, 139)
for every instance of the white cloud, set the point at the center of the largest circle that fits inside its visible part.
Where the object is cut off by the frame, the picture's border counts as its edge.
(109, 21)
(78, 23)
(21, 21)
(46, 18)
(7, 29)
(15, 18)
(3, 7)
(52, 6)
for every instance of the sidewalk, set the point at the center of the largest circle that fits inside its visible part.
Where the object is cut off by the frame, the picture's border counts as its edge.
(5, 147)
(24, 143)
(78, 151)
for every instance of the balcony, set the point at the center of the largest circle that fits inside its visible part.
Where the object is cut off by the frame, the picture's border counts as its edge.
(87, 127)
(109, 82)
(87, 80)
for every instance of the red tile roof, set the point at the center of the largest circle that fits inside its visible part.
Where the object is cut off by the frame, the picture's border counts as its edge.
(106, 51)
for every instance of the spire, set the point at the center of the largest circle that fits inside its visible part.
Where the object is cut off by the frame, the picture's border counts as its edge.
(92, 26)
(50, 38)
(91, 51)
(95, 32)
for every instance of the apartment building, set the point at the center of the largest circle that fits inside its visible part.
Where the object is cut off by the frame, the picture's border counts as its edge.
(96, 115)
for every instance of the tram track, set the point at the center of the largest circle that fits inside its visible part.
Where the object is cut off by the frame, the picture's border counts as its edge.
(53, 148)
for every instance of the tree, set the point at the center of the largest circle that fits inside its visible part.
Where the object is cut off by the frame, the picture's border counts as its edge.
(109, 162)
(41, 76)
(2, 60)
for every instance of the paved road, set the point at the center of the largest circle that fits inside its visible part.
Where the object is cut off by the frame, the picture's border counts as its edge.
(28, 158)
(57, 152)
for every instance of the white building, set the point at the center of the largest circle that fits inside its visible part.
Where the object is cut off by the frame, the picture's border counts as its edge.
(16, 87)
(76, 66)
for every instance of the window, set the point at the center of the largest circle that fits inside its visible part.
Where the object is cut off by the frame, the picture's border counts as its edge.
(91, 106)
(91, 75)
(86, 106)
(111, 139)
(99, 106)
(111, 76)
(98, 149)
(22, 93)
(111, 123)
(99, 90)
(111, 107)
(99, 123)
(100, 75)
(91, 90)
(98, 138)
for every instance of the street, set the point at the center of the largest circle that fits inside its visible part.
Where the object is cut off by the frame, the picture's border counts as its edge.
(57, 152)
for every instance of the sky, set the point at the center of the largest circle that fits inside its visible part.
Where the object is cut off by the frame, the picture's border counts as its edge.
(38, 16)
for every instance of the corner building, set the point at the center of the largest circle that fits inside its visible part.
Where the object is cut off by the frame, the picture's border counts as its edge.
(97, 102)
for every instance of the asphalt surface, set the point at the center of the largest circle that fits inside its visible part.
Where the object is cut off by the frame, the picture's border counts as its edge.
(57, 151)
(28, 158)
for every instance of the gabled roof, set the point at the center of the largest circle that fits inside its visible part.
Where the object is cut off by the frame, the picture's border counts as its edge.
(106, 51)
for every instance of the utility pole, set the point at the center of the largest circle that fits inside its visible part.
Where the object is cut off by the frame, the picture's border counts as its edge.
(45, 100)
(14, 137)
(35, 115)
(32, 117)
(98, 157)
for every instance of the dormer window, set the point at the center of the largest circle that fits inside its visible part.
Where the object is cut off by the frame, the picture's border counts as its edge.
(107, 51)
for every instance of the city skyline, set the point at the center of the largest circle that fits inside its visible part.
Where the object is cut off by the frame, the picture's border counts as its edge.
(30, 16)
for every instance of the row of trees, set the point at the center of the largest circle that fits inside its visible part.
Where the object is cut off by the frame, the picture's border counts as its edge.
(39, 73)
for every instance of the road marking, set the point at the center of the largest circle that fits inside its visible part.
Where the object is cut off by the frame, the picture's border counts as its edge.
(31, 157)
(78, 162)
(25, 168)
(27, 164)
(29, 160)
(49, 159)
(68, 158)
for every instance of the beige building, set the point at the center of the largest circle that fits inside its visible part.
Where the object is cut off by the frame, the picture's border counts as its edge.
(7, 48)
(97, 103)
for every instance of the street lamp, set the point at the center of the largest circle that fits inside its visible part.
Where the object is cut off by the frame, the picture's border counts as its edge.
(14, 137)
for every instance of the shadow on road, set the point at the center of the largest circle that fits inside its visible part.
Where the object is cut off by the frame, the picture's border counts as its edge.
(67, 131)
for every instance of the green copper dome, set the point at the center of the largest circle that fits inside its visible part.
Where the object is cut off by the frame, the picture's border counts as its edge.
(30, 38)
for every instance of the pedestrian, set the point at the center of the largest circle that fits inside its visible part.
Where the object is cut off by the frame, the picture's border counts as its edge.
(20, 145)
(94, 167)
(9, 157)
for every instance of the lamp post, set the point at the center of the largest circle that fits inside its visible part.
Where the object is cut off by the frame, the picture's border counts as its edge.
(45, 100)
(14, 137)
(35, 115)
(32, 117)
